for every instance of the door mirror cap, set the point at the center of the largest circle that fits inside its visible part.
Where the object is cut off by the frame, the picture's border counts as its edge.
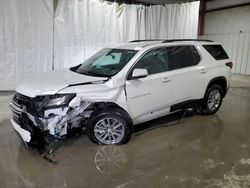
(139, 73)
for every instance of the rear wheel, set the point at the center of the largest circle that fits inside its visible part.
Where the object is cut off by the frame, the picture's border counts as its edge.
(212, 100)
(109, 127)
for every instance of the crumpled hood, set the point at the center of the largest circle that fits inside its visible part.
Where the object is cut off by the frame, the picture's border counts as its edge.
(51, 82)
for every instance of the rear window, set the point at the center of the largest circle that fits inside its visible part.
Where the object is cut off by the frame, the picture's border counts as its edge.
(216, 51)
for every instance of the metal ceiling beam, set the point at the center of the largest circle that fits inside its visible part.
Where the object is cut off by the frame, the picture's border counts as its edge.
(225, 4)
(228, 7)
(202, 16)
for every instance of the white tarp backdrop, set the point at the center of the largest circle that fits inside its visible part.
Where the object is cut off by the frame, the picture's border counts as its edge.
(26, 29)
(81, 28)
(84, 26)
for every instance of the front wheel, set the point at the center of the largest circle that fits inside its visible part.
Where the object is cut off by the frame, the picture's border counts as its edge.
(212, 100)
(109, 127)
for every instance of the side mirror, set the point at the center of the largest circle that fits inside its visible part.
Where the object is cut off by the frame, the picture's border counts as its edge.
(139, 73)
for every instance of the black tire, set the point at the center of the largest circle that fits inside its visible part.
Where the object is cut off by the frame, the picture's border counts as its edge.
(114, 114)
(206, 109)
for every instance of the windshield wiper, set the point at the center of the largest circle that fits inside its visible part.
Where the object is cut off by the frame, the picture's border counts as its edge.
(74, 69)
(88, 73)
(78, 70)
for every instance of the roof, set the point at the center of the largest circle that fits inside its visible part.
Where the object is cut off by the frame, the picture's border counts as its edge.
(139, 44)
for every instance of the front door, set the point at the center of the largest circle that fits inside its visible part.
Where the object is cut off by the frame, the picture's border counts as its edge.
(150, 97)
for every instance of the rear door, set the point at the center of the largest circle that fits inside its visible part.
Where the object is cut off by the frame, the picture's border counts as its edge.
(187, 73)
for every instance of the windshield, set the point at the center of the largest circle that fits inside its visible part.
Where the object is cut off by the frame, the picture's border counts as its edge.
(106, 62)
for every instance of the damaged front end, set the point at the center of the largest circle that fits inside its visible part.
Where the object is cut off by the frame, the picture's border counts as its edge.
(44, 120)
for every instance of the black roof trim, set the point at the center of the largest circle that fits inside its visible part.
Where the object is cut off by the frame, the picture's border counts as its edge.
(172, 40)
(179, 40)
(147, 40)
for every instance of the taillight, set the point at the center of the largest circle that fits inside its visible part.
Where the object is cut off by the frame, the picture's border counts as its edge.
(229, 64)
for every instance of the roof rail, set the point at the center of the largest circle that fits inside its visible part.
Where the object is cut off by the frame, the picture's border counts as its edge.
(147, 40)
(176, 40)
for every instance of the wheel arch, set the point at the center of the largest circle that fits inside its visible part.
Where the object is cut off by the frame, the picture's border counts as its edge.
(99, 106)
(221, 81)
(102, 109)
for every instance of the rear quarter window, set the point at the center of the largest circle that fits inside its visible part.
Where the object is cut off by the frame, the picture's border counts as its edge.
(216, 51)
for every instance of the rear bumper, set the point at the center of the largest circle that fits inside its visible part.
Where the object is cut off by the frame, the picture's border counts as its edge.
(227, 89)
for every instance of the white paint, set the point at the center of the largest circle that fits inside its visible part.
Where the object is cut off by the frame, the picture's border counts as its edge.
(23, 133)
(147, 95)
(56, 111)
(58, 124)
(231, 27)
(52, 125)
(75, 102)
(53, 81)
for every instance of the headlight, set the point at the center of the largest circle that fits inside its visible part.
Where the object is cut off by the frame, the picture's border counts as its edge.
(59, 100)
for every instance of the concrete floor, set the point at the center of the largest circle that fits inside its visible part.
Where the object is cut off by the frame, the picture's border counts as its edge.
(201, 151)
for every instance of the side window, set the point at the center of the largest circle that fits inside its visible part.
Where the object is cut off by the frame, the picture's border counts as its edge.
(216, 51)
(154, 61)
(182, 56)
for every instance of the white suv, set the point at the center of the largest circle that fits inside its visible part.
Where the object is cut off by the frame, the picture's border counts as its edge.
(120, 87)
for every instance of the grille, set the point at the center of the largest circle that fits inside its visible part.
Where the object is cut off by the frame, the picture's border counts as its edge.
(21, 100)
(17, 112)
(18, 103)
(29, 104)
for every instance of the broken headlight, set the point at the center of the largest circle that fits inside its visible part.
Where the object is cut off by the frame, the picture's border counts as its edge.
(59, 100)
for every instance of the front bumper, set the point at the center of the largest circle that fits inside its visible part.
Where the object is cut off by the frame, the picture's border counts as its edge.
(47, 127)
(25, 135)
(30, 134)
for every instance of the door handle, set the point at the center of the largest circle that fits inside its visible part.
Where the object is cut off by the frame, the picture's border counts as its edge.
(203, 71)
(165, 80)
